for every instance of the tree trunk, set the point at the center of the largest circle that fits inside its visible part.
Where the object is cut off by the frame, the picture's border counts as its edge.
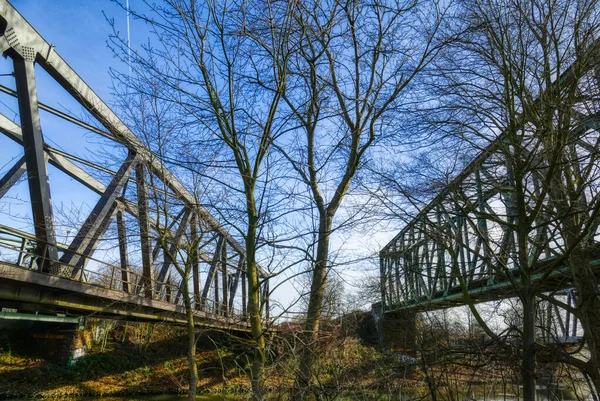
(259, 357)
(588, 311)
(189, 312)
(595, 381)
(528, 367)
(315, 307)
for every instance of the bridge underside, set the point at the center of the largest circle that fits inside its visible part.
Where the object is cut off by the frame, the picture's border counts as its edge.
(486, 290)
(28, 290)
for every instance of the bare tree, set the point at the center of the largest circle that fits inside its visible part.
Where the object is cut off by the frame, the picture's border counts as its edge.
(224, 67)
(155, 123)
(353, 63)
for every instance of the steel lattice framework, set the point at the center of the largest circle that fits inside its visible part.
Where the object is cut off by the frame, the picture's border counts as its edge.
(130, 198)
(462, 247)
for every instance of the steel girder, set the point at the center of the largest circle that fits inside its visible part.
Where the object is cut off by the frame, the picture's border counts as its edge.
(12, 176)
(467, 240)
(216, 248)
(33, 144)
(558, 319)
(462, 246)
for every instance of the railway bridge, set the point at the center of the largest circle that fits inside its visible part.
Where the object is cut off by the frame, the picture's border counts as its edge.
(467, 245)
(145, 221)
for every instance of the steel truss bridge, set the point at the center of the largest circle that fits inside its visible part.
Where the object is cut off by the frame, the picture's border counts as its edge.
(461, 248)
(38, 272)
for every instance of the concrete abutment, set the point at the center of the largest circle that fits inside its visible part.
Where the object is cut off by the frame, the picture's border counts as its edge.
(61, 341)
(397, 330)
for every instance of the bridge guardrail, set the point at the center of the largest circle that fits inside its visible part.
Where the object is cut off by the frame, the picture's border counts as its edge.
(21, 252)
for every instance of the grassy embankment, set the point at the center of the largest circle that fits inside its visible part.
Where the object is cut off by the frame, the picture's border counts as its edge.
(142, 359)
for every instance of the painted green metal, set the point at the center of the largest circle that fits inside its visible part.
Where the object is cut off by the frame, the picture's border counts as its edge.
(436, 303)
(9, 315)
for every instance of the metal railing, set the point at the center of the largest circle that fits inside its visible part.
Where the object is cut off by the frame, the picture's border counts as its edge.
(22, 249)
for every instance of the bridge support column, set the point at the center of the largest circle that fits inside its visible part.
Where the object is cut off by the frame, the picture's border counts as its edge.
(195, 259)
(234, 283)
(140, 179)
(124, 255)
(397, 330)
(60, 340)
(225, 281)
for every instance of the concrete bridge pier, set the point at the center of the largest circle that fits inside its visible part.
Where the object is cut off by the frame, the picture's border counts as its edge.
(397, 330)
(56, 338)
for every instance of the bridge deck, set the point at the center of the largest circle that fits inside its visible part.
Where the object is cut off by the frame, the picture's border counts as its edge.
(492, 288)
(26, 289)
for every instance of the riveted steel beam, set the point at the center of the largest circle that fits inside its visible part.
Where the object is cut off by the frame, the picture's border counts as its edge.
(86, 239)
(123, 254)
(234, 283)
(140, 175)
(37, 173)
(168, 262)
(225, 280)
(12, 176)
(40, 318)
(14, 132)
(195, 259)
(212, 273)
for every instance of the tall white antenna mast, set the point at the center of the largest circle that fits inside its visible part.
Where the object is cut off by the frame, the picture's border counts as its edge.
(128, 42)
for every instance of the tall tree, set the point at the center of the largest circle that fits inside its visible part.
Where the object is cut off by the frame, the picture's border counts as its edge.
(348, 77)
(538, 56)
(224, 65)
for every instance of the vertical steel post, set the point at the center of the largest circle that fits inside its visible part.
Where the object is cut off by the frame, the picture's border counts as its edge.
(168, 289)
(212, 272)
(122, 233)
(216, 301)
(37, 174)
(195, 260)
(261, 291)
(392, 271)
(140, 176)
(234, 284)
(112, 277)
(548, 322)
(224, 306)
(382, 276)
(266, 297)
(528, 364)
(22, 253)
(574, 329)
(567, 328)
